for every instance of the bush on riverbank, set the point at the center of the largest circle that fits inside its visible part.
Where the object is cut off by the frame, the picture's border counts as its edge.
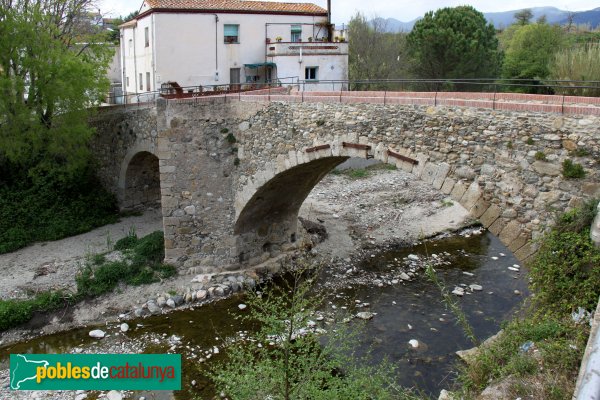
(539, 354)
(16, 312)
(51, 207)
(141, 263)
(287, 359)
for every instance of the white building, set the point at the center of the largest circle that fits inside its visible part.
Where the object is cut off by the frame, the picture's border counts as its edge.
(219, 42)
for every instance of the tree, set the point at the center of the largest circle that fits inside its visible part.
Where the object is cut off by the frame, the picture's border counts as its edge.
(529, 51)
(454, 43)
(284, 360)
(375, 53)
(52, 70)
(523, 17)
(114, 35)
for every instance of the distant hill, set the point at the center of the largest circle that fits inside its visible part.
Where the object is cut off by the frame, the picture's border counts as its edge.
(394, 25)
(505, 18)
(591, 17)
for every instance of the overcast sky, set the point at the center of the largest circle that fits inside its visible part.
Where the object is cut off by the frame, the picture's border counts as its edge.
(403, 10)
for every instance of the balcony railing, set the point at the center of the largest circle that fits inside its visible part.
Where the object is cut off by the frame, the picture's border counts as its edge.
(307, 48)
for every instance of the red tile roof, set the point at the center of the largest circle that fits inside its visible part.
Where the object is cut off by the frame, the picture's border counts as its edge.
(237, 5)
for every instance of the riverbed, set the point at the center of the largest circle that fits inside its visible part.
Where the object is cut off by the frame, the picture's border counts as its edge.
(404, 310)
(373, 226)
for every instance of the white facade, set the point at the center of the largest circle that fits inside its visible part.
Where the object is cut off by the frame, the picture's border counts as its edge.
(190, 48)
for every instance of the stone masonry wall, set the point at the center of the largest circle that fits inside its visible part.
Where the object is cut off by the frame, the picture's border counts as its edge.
(228, 168)
(121, 133)
(484, 159)
(198, 170)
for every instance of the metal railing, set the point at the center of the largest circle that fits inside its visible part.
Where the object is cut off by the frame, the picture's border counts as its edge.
(525, 86)
(491, 86)
(183, 92)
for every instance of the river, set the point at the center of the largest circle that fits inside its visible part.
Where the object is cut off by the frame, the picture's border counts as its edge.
(405, 310)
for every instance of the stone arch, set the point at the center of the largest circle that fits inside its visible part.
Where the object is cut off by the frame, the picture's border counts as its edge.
(266, 208)
(139, 178)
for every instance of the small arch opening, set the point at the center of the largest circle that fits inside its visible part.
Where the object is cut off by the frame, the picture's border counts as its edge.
(142, 183)
(293, 238)
(266, 248)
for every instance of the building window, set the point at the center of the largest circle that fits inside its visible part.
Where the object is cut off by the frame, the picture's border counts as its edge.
(141, 82)
(296, 33)
(147, 36)
(231, 33)
(130, 46)
(147, 81)
(310, 73)
(127, 81)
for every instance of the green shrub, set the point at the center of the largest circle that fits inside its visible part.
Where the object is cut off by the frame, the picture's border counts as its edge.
(230, 138)
(564, 273)
(580, 152)
(540, 156)
(126, 243)
(16, 312)
(151, 248)
(51, 207)
(142, 264)
(299, 366)
(571, 170)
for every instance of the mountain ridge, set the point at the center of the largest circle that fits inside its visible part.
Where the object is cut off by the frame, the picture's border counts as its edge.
(503, 19)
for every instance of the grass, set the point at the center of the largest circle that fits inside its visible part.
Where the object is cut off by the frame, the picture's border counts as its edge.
(360, 173)
(564, 276)
(447, 202)
(17, 312)
(141, 264)
(571, 170)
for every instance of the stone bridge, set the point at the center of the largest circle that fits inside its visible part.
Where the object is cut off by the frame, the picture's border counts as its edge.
(231, 173)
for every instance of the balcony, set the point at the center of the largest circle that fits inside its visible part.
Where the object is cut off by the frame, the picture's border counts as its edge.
(308, 48)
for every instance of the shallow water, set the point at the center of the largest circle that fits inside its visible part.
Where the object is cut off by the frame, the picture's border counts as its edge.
(418, 303)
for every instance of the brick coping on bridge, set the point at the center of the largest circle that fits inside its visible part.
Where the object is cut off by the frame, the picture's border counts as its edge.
(572, 105)
(561, 104)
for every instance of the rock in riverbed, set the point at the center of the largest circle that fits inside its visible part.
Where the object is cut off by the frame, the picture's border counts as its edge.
(97, 334)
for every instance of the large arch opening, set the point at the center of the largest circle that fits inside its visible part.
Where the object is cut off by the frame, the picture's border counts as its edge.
(269, 220)
(142, 183)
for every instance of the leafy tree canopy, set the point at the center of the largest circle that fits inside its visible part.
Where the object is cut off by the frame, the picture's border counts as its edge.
(375, 53)
(530, 49)
(523, 16)
(454, 43)
(114, 35)
(53, 66)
